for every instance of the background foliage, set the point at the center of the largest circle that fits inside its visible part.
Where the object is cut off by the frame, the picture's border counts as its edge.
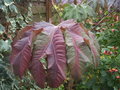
(14, 15)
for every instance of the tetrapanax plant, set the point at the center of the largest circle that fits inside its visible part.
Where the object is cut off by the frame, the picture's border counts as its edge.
(50, 52)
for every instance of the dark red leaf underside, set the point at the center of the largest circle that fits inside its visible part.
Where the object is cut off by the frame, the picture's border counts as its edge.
(19, 36)
(38, 73)
(40, 45)
(39, 51)
(67, 23)
(22, 59)
(22, 50)
(56, 60)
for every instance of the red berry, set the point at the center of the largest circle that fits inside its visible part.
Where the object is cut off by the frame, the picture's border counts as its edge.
(113, 30)
(111, 52)
(105, 52)
(118, 77)
(115, 48)
(113, 70)
(116, 70)
(110, 70)
(112, 24)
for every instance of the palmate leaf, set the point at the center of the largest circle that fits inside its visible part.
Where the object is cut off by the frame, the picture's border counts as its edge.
(81, 12)
(68, 44)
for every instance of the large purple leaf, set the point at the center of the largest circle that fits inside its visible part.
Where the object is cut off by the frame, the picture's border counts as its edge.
(20, 35)
(39, 51)
(47, 26)
(56, 60)
(89, 40)
(42, 40)
(78, 51)
(67, 24)
(67, 1)
(38, 73)
(40, 45)
(22, 59)
(26, 32)
(76, 58)
(22, 51)
(81, 58)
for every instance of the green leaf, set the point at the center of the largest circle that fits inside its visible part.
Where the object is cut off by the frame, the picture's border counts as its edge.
(43, 60)
(8, 2)
(118, 57)
(3, 8)
(0, 1)
(4, 45)
(1, 56)
(102, 3)
(110, 83)
(115, 88)
(13, 8)
(0, 59)
(95, 87)
(91, 82)
(103, 73)
(78, 12)
(2, 28)
(90, 10)
(13, 22)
